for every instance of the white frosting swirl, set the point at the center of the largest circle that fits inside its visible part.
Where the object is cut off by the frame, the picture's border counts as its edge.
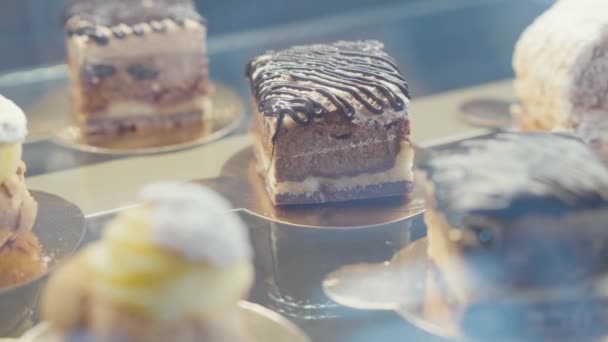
(13, 123)
(197, 223)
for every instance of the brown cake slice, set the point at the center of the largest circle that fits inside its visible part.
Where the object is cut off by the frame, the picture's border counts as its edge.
(136, 64)
(331, 123)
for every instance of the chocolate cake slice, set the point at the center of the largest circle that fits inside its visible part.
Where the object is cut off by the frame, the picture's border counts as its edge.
(136, 64)
(331, 123)
(514, 213)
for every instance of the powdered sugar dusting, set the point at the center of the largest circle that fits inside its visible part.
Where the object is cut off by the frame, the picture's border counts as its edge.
(196, 223)
(13, 123)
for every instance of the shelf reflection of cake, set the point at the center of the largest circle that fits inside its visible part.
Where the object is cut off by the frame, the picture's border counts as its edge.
(513, 214)
(20, 252)
(331, 123)
(173, 269)
(561, 68)
(136, 64)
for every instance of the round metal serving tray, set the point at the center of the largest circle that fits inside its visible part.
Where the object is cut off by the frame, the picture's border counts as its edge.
(60, 227)
(262, 325)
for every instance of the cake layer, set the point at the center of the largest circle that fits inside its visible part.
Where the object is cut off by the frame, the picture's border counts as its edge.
(392, 181)
(332, 148)
(146, 124)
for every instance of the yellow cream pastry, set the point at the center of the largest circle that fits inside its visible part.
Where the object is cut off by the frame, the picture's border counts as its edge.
(19, 248)
(175, 266)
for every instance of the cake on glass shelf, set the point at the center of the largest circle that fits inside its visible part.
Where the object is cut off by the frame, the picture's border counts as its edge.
(173, 269)
(561, 67)
(513, 214)
(136, 64)
(331, 123)
(21, 257)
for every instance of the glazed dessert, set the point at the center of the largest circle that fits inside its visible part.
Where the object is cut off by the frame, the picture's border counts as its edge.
(173, 269)
(560, 67)
(20, 252)
(512, 214)
(331, 123)
(136, 64)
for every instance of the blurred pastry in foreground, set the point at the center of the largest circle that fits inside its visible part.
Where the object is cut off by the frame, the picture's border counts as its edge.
(561, 69)
(20, 251)
(137, 64)
(331, 123)
(513, 214)
(173, 269)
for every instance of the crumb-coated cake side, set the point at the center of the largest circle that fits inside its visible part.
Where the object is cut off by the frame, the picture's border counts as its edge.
(173, 269)
(136, 64)
(331, 123)
(20, 252)
(561, 64)
(514, 212)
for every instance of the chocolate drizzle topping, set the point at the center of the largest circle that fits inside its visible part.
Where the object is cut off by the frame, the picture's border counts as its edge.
(90, 15)
(507, 176)
(310, 82)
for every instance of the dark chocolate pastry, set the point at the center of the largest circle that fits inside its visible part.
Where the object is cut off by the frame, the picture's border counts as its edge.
(331, 123)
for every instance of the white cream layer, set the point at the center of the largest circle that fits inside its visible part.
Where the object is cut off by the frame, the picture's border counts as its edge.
(13, 123)
(131, 108)
(177, 39)
(402, 171)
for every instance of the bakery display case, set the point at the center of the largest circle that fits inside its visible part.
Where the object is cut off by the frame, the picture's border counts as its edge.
(395, 170)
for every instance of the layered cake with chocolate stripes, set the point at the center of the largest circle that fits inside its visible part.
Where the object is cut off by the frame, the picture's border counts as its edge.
(512, 214)
(561, 69)
(331, 123)
(136, 64)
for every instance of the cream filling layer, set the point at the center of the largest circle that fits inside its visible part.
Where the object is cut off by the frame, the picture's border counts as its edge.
(177, 39)
(402, 171)
(130, 108)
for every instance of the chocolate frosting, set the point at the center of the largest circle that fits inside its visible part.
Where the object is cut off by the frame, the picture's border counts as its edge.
(110, 13)
(507, 176)
(309, 82)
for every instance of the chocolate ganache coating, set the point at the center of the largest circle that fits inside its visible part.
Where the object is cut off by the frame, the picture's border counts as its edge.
(110, 13)
(309, 82)
(507, 176)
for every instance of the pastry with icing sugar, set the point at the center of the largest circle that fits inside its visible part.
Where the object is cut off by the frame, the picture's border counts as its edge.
(20, 251)
(331, 123)
(513, 214)
(173, 269)
(561, 69)
(137, 65)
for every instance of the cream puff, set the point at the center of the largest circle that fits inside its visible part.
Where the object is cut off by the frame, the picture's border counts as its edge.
(172, 269)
